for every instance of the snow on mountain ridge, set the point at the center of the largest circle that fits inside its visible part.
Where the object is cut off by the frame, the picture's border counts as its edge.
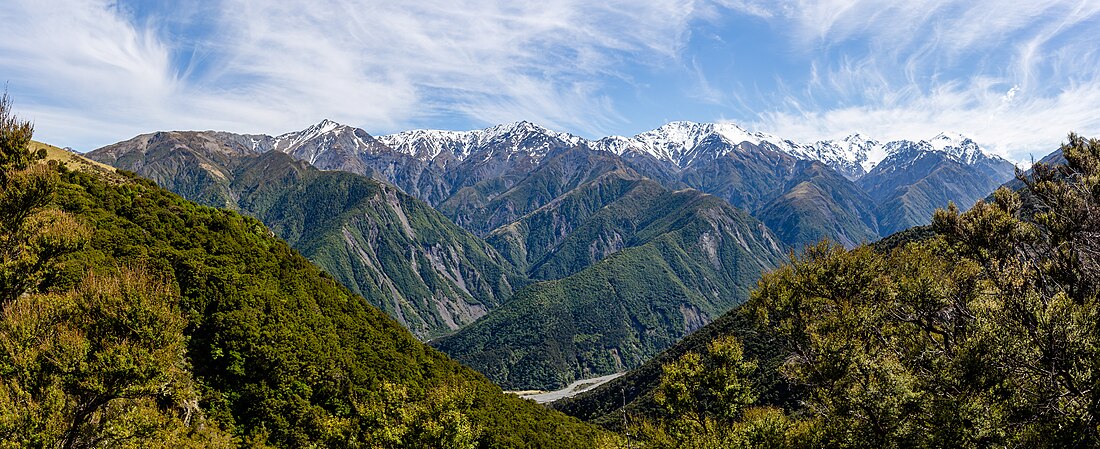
(311, 143)
(853, 155)
(956, 146)
(678, 142)
(430, 144)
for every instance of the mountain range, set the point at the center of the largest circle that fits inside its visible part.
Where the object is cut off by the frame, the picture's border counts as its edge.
(637, 268)
(471, 176)
(208, 331)
(560, 241)
(403, 256)
(463, 173)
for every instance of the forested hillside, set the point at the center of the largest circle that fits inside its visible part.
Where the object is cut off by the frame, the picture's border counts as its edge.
(577, 208)
(134, 318)
(399, 253)
(982, 333)
(683, 258)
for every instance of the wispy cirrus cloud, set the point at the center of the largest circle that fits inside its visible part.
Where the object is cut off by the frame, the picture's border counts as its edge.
(92, 72)
(1015, 76)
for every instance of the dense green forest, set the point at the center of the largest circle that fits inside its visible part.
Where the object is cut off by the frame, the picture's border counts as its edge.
(688, 257)
(981, 331)
(397, 252)
(692, 257)
(134, 318)
(821, 204)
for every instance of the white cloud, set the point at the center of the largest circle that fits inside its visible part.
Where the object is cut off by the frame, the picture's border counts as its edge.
(1015, 76)
(274, 66)
(1021, 129)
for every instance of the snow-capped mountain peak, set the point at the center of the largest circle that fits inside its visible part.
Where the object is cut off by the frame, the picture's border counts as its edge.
(514, 137)
(284, 142)
(956, 146)
(523, 129)
(315, 141)
(673, 140)
(678, 141)
(681, 143)
(852, 155)
(325, 126)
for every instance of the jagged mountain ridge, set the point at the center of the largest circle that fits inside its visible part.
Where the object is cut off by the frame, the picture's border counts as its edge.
(492, 179)
(917, 178)
(679, 143)
(676, 142)
(767, 176)
(643, 266)
(429, 274)
(463, 172)
(678, 154)
(460, 145)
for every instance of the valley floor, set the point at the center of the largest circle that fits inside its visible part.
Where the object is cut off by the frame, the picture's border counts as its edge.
(570, 390)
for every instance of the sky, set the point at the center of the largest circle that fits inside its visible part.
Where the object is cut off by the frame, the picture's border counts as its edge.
(1014, 76)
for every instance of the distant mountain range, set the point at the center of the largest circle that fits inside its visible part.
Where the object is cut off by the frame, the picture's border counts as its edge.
(637, 266)
(470, 175)
(465, 174)
(405, 257)
(561, 242)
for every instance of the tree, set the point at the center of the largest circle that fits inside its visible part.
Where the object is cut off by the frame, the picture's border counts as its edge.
(394, 419)
(32, 236)
(702, 395)
(985, 334)
(1038, 249)
(101, 366)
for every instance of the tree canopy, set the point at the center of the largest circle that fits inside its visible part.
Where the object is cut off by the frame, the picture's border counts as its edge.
(983, 333)
(134, 318)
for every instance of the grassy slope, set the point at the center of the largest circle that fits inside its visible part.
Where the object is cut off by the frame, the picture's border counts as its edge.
(581, 227)
(821, 204)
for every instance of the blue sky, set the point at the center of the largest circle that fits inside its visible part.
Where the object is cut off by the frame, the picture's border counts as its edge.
(1015, 77)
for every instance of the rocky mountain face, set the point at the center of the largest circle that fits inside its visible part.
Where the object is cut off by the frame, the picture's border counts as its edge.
(192, 164)
(637, 268)
(431, 165)
(820, 203)
(597, 253)
(488, 178)
(761, 173)
(484, 207)
(376, 240)
(865, 189)
(916, 178)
